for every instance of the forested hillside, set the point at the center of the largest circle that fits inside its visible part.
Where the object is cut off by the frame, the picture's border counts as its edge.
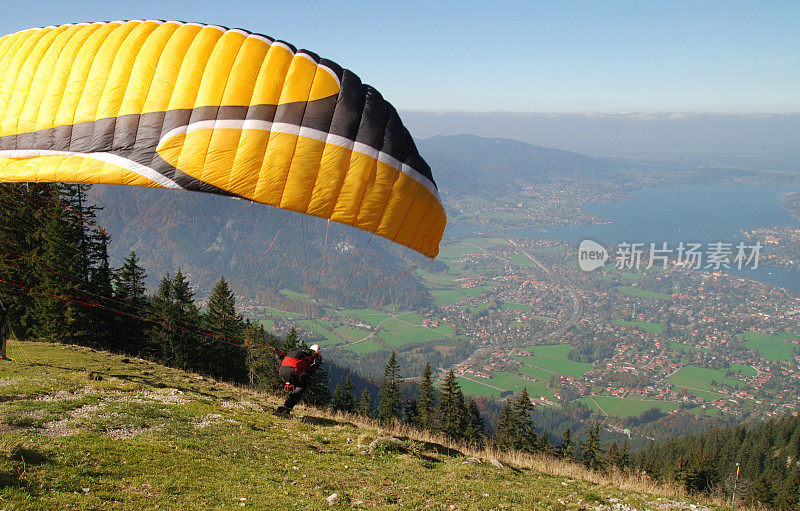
(259, 249)
(767, 457)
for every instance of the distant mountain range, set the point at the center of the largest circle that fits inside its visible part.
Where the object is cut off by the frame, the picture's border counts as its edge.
(471, 165)
(211, 236)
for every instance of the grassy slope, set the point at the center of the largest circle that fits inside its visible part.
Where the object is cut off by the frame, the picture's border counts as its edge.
(146, 436)
(626, 407)
(772, 347)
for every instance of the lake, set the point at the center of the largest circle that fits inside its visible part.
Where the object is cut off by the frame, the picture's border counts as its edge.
(688, 213)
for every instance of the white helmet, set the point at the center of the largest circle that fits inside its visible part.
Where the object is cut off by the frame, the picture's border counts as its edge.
(314, 348)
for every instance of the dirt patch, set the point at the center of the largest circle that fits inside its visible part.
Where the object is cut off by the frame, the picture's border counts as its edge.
(7, 382)
(63, 395)
(209, 420)
(242, 405)
(123, 433)
(57, 429)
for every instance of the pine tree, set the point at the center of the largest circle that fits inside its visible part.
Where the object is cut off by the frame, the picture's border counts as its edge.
(349, 402)
(173, 337)
(613, 455)
(762, 492)
(60, 273)
(624, 456)
(101, 281)
(22, 220)
(17, 227)
(185, 341)
(390, 404)
(789, 492)
(262, 366)
(317, 393)
(365, 404)
(337, 402)
(452, 410)
(507, 427)
(4, 331)
(225, 357)
(591, 451)
(158, 338)
(78, 218)
(476, 429)
(426, 403)
(129, 288)
(343, 398)
(701, 475)
(410, 411)
(291, 341)
(567, 448)
(523, 409)
(543, 443)
(515, 429)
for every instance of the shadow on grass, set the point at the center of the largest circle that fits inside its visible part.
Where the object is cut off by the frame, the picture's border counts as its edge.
(22, 458)
(27, 456)
(323, 421)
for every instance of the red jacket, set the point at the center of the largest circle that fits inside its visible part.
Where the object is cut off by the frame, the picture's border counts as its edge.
(301, 360)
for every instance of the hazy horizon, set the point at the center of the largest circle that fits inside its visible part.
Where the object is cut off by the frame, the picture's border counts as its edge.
(606, 134)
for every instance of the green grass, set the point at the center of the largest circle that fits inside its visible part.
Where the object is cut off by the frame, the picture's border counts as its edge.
(482, 306)
(697, 380)
(443, 297)
(295, 295)
(396, 333)
(147, 437)
(456, 251)
(477, 386)
(516, 306)
(514, 383)
(770, 346)
(318, 328)
(535, 372)
(679, 346)
(521, 260)
(747, 370)
(445, 329)
(367, 316)
(642, 293)
(626, 407)
(643, 326)
(553, 358)
(476, 291)
(363, 347)
(350, 334)
(436, 279)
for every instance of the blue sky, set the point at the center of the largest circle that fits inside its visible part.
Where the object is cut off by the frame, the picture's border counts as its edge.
(522, 56)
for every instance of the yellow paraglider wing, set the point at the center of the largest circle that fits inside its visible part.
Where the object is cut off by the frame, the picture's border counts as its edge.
(203, 108)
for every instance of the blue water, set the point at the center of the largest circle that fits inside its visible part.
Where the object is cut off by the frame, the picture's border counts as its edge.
(688, 213)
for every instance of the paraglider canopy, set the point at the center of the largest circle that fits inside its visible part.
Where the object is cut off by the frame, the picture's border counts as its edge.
(203, 108)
